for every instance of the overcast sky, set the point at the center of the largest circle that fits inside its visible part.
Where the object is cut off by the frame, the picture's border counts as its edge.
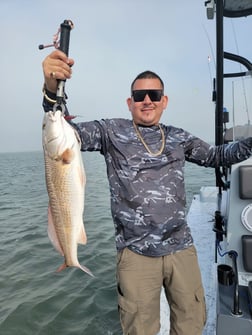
(112, 41)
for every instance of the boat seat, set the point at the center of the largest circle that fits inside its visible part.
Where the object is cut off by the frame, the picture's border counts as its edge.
(245, 176)
(247, 252)
(250, 295)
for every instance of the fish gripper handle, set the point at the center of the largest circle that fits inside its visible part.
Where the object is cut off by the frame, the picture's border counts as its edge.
(65, 29)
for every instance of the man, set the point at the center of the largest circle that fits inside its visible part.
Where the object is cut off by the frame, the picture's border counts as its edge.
(145, 161)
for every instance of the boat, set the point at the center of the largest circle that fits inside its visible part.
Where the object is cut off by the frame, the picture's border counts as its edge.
(232, 196)
(220, 216)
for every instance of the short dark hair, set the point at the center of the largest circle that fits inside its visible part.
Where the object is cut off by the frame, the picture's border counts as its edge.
(147, 75)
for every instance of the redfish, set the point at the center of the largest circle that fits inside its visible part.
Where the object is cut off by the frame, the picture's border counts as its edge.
(65, 181)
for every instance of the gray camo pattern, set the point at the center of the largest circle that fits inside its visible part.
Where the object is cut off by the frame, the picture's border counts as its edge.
(148, 203)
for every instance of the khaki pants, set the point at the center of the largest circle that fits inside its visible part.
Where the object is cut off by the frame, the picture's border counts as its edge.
(140, 280)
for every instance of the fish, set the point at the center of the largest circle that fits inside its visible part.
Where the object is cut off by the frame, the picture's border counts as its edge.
(65, 182)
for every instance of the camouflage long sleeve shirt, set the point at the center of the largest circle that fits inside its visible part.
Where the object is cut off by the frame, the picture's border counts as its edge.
(147, 192)
(148, 202)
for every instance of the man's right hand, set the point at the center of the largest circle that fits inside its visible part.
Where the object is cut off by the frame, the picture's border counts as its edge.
(56, 66)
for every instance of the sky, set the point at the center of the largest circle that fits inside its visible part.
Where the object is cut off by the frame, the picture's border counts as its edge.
(112, 41)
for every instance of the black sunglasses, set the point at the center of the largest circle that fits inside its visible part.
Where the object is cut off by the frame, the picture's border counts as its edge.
(154, 95)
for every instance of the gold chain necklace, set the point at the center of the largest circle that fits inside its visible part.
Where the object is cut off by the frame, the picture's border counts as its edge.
(144, 143)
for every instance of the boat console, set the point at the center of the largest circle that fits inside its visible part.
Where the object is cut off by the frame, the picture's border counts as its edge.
(233, 217)
(234, 294)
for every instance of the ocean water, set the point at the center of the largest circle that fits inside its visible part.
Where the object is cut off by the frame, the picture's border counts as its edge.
(36, 300)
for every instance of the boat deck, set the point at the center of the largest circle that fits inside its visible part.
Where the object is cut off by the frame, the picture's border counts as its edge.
(200, 219)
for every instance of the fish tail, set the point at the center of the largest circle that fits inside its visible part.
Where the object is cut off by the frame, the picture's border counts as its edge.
(85, 269)
(82, 267)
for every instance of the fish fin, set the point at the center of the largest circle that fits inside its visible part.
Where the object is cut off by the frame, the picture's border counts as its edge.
(82, 176)
(52, 233)
(62, 267)
(82, 236)
(67, 156)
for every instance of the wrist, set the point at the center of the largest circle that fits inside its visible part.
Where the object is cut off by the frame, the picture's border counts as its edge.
(48, 95)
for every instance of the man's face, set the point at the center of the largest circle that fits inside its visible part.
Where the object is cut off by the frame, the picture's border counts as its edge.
(147, 112)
